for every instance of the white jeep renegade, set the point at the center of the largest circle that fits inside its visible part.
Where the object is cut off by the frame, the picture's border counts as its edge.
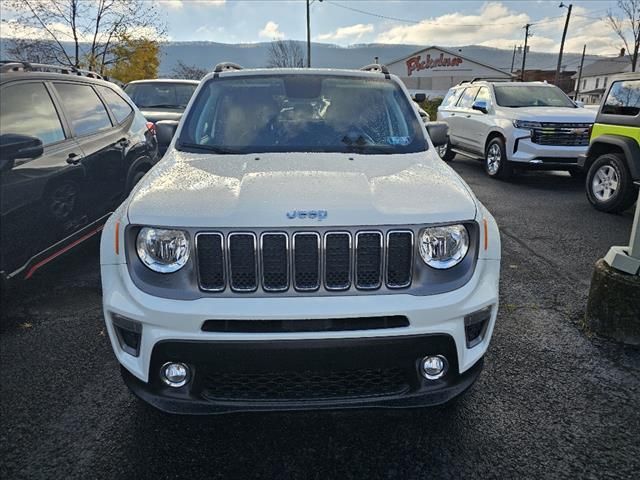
(301, 245)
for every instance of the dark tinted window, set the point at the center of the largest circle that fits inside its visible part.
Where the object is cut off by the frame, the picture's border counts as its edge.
(119, 107)
(467, 97)
(623, 98)
(27, 109)
(160, 94)
(83, 108)
(302, 113)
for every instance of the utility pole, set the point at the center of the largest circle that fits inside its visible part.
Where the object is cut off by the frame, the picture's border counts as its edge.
(524, 53)
(513, 58)
(584, 49)
(308, 37)
(564, 35)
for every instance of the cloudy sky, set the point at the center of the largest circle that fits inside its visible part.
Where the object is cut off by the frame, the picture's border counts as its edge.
(345, 22)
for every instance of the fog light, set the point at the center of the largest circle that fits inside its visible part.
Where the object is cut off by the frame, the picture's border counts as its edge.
(175, 374)
(433, 367)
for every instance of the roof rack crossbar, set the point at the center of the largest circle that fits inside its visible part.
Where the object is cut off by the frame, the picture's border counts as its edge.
(376, 67)
(226, 66)
(17, 66)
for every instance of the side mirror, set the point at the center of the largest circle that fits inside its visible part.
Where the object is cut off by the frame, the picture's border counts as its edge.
(14, 146)
(480, 105)
(165, 130)
(438, 132)
(419, 97)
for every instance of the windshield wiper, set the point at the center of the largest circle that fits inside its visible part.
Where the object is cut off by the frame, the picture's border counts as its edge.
(207, 148)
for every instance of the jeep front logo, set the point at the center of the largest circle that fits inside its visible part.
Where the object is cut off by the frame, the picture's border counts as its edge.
(310, 214)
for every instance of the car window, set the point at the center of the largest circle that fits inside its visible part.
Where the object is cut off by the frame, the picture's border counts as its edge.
(160, 94)
(83, 108)
(484, 96)
(623, 98)
(27, 109)
(467, 97)
(452, 97)
(302, 113)
(119, 107)
(516, 96)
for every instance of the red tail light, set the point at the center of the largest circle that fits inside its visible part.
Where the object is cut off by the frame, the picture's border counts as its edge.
(151, 127)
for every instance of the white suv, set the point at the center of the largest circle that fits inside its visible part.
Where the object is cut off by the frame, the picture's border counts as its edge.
(515, 124)
(300, 245)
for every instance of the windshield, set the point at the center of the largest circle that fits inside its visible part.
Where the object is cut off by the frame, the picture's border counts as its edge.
(160, 94)
(531, 96)
(302, 113)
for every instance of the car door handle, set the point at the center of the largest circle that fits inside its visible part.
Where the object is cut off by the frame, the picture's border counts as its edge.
(468, 116)
(453, 114)
(74, 159)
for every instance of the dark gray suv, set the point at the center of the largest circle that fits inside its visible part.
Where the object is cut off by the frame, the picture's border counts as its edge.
(72, 146)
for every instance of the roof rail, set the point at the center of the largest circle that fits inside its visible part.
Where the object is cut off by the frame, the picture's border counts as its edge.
(226, 66)
(376, 67)
(19, 66)
(491, 79)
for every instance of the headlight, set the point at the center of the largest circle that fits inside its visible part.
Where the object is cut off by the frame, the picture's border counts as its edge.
(526, 124)
(444, 247)
(163, 251)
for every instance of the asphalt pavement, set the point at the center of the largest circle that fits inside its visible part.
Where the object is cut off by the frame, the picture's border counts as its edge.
(553, 400)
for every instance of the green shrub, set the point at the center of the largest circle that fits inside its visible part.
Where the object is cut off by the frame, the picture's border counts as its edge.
(430, 105)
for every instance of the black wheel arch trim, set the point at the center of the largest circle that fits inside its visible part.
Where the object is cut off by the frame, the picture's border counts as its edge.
(629, 147)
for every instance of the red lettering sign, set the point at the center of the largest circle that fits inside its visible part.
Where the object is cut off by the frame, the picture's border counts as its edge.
(415, 64)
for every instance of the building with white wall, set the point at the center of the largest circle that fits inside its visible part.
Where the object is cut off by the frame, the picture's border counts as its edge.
(434, 70)
(596, 77)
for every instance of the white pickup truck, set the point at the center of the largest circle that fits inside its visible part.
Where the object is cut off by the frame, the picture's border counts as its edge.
(300, 245)
(528, 125)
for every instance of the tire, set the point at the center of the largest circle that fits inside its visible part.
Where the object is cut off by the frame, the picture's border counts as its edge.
(445, 152)
(609, 184)
(135, 178)
(495, 160)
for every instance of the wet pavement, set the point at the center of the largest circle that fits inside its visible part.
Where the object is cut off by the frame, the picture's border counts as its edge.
(553, 400)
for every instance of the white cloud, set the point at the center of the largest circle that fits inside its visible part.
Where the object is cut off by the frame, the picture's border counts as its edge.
(352, 32)
(271, 31)
(448, 30)
(177, 4)
(498, 25)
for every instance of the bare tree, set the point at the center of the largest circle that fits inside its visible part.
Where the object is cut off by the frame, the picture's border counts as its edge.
(33, 50)
(90, 28)
(627, 26)
(285, 54)
(188, 72)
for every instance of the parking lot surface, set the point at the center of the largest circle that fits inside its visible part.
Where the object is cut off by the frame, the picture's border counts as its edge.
(553, 400)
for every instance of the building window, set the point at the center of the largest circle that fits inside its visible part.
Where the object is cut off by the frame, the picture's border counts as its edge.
(584, 84)
(597, 82)
(604, 85)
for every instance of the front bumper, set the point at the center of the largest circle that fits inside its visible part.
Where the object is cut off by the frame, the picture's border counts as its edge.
(525, 152)
(303, 374)
(172, 330)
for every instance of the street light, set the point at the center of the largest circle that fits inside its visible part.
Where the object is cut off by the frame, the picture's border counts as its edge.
(564, 35)
(309, 3)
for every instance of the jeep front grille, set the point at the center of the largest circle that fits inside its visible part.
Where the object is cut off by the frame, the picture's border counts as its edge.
(305, 261)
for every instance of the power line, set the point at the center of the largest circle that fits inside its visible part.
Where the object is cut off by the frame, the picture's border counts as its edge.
(432, 22)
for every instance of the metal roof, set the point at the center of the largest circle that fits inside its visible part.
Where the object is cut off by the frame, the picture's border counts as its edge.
(606, 67)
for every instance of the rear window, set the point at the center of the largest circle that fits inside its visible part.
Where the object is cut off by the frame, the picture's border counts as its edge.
(160, 94)
(83, 108)
(451, 97)
(302, 113)
(119, 107)
(623, 98)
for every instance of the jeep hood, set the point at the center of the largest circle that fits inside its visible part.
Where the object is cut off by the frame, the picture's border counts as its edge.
(194, 190)
(554, 114)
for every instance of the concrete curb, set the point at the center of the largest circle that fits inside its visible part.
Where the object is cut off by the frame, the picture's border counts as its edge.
(613, 309)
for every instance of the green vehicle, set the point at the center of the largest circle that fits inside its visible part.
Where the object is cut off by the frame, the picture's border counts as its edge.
(612, 162)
